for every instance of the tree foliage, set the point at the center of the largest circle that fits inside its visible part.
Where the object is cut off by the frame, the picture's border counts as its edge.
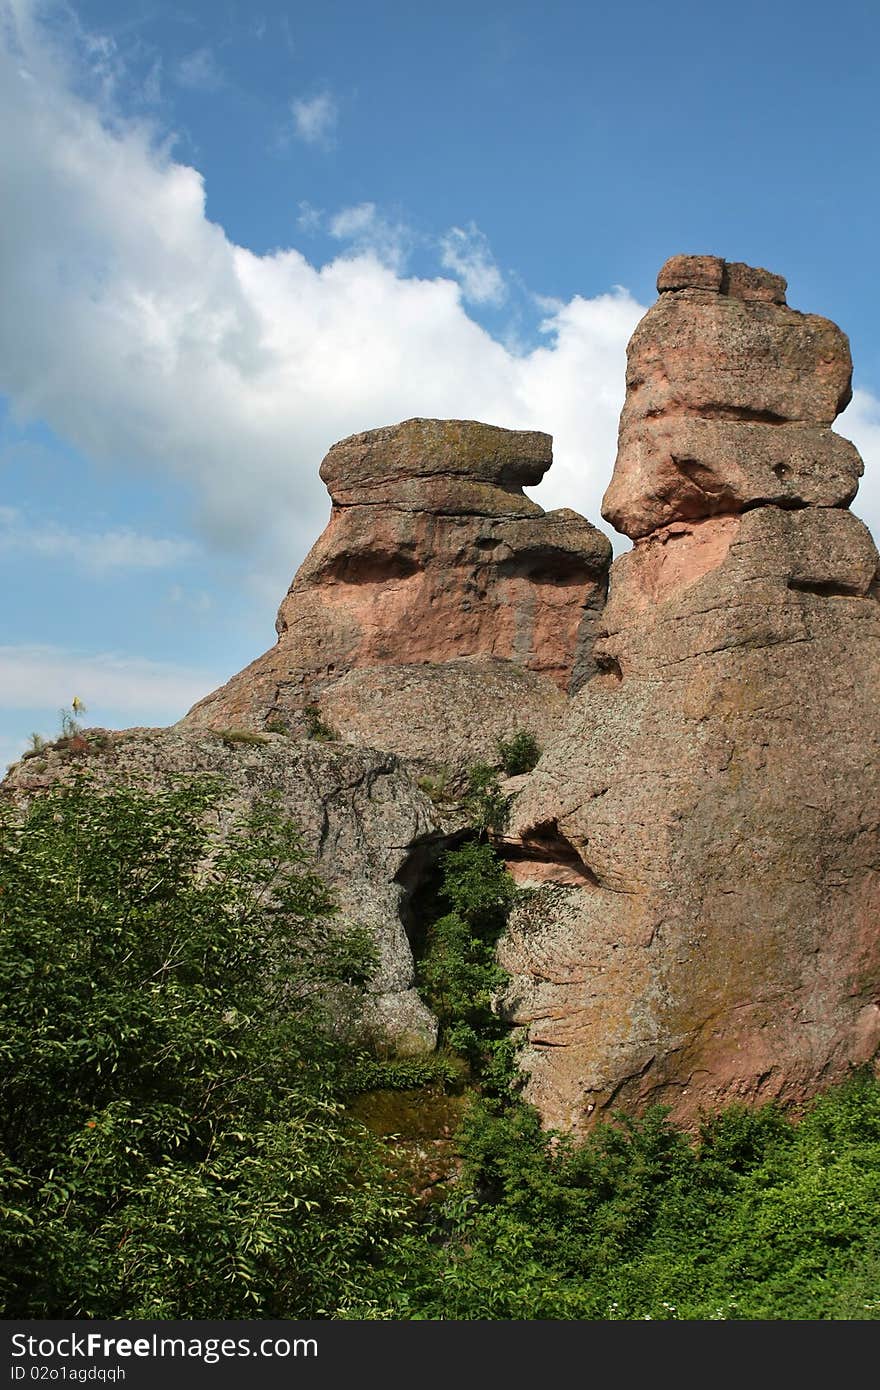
(761, 1219)
(458, 975)
(172, 1142)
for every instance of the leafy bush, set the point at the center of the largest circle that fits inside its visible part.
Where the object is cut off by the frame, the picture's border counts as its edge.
(486, 806)
(518, 754)
(171, 1141)
(431, 1071)
(458, 975)
(316, 728)
(762, 1219)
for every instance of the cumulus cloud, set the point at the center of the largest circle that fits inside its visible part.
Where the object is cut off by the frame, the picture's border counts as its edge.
(99, 552)
(315, 119)
(140, 332)
(466, 252)
(115, 689)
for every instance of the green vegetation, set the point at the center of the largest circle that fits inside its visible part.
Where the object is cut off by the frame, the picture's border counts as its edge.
(485, 804)
(171, 1139)
(763, 1219)
(185, 1124)
(437, 787)
(249, 737)
(518, 754)
(316, 728)
(458, 975)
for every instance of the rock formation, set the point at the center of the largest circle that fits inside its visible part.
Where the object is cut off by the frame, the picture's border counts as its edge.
(703, 829)
(717, 784)
(437, 588)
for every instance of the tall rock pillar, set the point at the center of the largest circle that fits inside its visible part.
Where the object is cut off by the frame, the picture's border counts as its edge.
(718, 782)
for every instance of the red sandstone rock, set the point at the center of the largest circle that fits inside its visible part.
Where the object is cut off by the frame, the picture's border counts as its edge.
(729, 398)
(732, 278)
(719, 781)
(433, 556)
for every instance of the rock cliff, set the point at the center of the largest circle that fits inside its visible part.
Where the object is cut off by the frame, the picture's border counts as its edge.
(718, 782)
(437, 588)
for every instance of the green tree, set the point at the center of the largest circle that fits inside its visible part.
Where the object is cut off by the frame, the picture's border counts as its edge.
(458, 974)
(171, 1142)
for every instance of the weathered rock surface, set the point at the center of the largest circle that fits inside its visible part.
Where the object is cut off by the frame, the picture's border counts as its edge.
(433, 556)
(713, 801)
(716, 362)
(445, 716)
(361, 817)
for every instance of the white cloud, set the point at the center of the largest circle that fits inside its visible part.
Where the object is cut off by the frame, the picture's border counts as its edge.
(200, 72)
(113, 688)
(315, 119)
(370, 234)
(146, 338)
(99, 552)
(466, 252)
(860, 422)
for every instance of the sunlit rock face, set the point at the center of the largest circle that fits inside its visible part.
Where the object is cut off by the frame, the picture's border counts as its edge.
(713, 798)
(437, 590)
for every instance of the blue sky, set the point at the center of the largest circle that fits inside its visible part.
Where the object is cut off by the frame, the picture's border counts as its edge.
(234, 233)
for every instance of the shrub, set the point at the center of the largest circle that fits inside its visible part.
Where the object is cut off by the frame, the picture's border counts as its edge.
(486, 806)
(316, 728)
(171, 1141)
(458, 975)
(433, 1071)
(518, 754)
(763, 1219)
(249, 737)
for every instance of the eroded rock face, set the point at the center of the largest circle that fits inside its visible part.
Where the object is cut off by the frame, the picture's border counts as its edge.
(362, 819)
(433, 555)
(730, 395)
(719, 781)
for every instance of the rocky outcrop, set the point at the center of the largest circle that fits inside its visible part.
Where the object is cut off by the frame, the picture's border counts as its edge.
(440, 610)
(364, 823)
(436, 581)
(717, 784)
(729, 399)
